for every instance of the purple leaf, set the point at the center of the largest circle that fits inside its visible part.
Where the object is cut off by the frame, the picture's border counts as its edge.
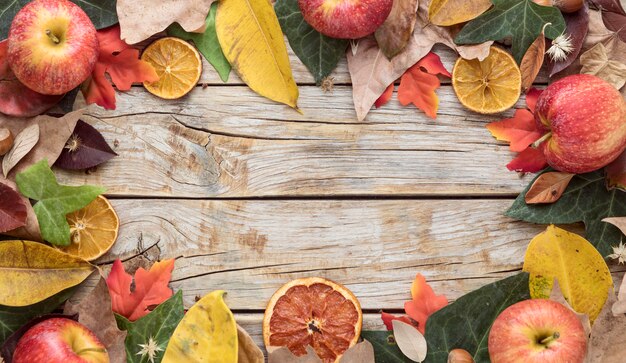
(613, 15)
(577, 27)
(85, 149)
(12, 209)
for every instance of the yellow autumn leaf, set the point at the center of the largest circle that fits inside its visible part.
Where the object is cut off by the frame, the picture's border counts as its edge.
(207, 333)
(253, 43)
(582, 274)
(450, 12)
(31, 272)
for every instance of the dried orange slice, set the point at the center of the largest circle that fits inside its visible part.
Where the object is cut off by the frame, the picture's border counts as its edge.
(93, 230)
(488, 86)
(313, 311)
(178, 65)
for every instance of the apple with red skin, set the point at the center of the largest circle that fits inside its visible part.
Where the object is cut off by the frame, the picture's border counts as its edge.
(53, 46)
(345, 19)
(586, 122)
(537, 331)
(59, 340)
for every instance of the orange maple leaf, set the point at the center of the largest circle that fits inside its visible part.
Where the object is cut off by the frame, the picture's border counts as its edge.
(385, 97)
(418, 84)
(150, 288)
(530, 160)
(121, 62)
(520, 131)
(388, 318)
(531, 98)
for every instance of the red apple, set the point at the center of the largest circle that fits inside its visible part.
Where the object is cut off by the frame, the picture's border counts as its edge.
(345, 19)
(537, 331)
(59, 340)
(52, 46)
(586, 120)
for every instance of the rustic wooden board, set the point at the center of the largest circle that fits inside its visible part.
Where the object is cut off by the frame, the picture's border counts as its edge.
(230, 142)
(375, 247)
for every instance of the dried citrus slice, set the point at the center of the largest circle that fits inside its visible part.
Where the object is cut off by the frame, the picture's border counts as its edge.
(488, 86)
(178, 65)
(93, 230)
(313, 311)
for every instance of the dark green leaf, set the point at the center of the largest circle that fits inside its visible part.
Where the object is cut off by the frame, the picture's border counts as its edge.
(12, 318)
(207, 43)
(522, 20)
(319, 53)
(587, 200)
(101, 12)
(466, 322)
(159, 326)
(385, 348)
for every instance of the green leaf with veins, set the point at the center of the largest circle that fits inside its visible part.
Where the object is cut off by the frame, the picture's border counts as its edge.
(102, 13)
(466, 322)
(586, 199)
(151, 333)
(522, 20)
(207, 43)
(319, 53)
(54, 201)
(385, 348)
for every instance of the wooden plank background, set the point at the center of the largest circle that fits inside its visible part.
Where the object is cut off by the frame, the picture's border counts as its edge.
(248, 194)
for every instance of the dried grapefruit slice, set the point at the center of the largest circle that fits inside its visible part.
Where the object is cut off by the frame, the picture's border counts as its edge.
(313, 311)
(178, 65)
(93, 230)
(488, 86)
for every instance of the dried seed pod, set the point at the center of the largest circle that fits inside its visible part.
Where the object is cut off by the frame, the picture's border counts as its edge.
(6, 140)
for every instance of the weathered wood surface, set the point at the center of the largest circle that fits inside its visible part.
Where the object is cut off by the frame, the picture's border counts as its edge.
(230, 142)
(375, 247)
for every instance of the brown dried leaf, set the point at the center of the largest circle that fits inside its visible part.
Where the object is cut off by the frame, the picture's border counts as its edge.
(619, 222)
(248, 351)
(24, 142)
(608, 335)
(619, 307)
(395, 33)
(94, 311)
(548, 187)
(616, 170)
(532, 61)
(372, 72)
(596, 61)
(362, 352)
(140, 19)
(451, 12)
(31, 230)
(613, 15)
(284, 355)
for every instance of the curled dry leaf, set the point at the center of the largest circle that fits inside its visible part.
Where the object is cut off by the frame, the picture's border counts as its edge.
(283, 354)
(12, 209)
(596, 61)
(548, 187)
(451, 12)
(248, 351)
(395, 33)
(85, 149)
(24, 142)
(362, 352)
(410, 341)
(140, 19)
(608, 334)
(532, 61)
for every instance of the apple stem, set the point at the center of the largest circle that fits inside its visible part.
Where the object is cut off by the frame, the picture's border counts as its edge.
(54, 38)
(98, 350)
(542, 139)
(551, 338)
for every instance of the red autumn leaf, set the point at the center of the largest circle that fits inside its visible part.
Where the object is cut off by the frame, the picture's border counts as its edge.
(388, 318)
(385, 97)
(616, 173)
(531, 98)
(432, 63)
(121, 62)
(424, 302)
(150, 288)
(12, 209)
(530, 160)
(520, 131)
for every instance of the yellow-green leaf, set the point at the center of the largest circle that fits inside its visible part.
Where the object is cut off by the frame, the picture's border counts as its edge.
(207, 333)
(253, 43)
(31, 272)
(450, 12)
(582, 274)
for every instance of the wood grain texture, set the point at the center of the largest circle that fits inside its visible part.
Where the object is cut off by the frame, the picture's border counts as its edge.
(229, 142)
(251, 247)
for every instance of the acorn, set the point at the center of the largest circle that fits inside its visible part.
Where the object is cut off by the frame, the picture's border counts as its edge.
(460, 356)
(6, 140)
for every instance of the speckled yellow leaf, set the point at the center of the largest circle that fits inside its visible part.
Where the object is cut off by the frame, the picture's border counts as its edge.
(582, 274)
(253, 43)
(31, 272)
(450, 12)
(207, 333)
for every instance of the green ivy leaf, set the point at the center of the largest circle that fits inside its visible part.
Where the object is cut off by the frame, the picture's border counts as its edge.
(101, 12)
(319, 53)
(207, 43)
(586, 200)
(466, 322)
(522, 20)
(157, 326)
(385, 348)
(54, 201)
